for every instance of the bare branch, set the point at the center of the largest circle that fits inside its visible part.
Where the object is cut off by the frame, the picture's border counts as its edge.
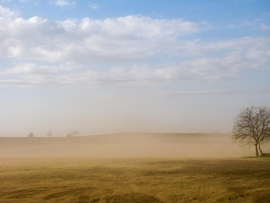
(252, 127)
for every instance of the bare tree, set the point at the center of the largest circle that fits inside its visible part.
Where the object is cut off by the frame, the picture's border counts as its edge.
(252, 127)
(30, 135)
(49, 134)
(73, 134)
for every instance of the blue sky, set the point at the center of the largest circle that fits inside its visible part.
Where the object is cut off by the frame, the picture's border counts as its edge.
(120, 65)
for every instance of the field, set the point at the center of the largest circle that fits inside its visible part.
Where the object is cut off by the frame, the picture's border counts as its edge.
(134, 180)
(31, 174)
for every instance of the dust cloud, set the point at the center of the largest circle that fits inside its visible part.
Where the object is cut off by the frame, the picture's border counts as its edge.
(125, 145)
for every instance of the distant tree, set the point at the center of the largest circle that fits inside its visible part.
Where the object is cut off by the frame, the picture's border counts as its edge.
(73, 134)
(49, 134)
(252, 127)
(30, 135)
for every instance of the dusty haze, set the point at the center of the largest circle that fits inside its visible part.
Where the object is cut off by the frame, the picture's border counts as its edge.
(126, 145)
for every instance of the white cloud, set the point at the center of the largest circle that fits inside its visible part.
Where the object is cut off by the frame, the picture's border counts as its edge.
(94, 6)
(230, 26)
(202, 68)
(64, 3)
(260, 23)
(132, 39)
(6, 12)
(5, 1)
(125, 38)
(30, 68)
(22, 1)
(139, 27)
(265, 27)
(215, 92)
(26, 1)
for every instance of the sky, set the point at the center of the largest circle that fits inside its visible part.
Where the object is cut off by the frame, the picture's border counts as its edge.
(107, 66)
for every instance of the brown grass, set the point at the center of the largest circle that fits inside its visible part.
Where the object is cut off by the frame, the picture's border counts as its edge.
(131, 168)
(82, 180)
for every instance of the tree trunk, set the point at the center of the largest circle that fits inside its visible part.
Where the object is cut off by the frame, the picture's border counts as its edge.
(256, 147)
(260, 149)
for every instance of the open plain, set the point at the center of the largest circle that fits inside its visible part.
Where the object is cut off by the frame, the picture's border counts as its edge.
(130, 168)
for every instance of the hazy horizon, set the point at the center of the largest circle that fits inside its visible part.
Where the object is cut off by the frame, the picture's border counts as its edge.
(126, 145)
(44, 135)
(102, 67)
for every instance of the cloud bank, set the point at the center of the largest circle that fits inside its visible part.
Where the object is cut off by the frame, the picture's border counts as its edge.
(132, 49)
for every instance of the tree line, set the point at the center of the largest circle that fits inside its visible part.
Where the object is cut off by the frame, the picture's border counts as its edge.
(49, 134)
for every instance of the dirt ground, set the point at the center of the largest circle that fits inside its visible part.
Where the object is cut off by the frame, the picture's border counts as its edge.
(111, 180)
(131, 168)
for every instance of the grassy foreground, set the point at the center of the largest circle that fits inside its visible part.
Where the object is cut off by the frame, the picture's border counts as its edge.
(82, 180)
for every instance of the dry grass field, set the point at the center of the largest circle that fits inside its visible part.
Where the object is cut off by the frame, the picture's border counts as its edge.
(82, 180)
(31, 174)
